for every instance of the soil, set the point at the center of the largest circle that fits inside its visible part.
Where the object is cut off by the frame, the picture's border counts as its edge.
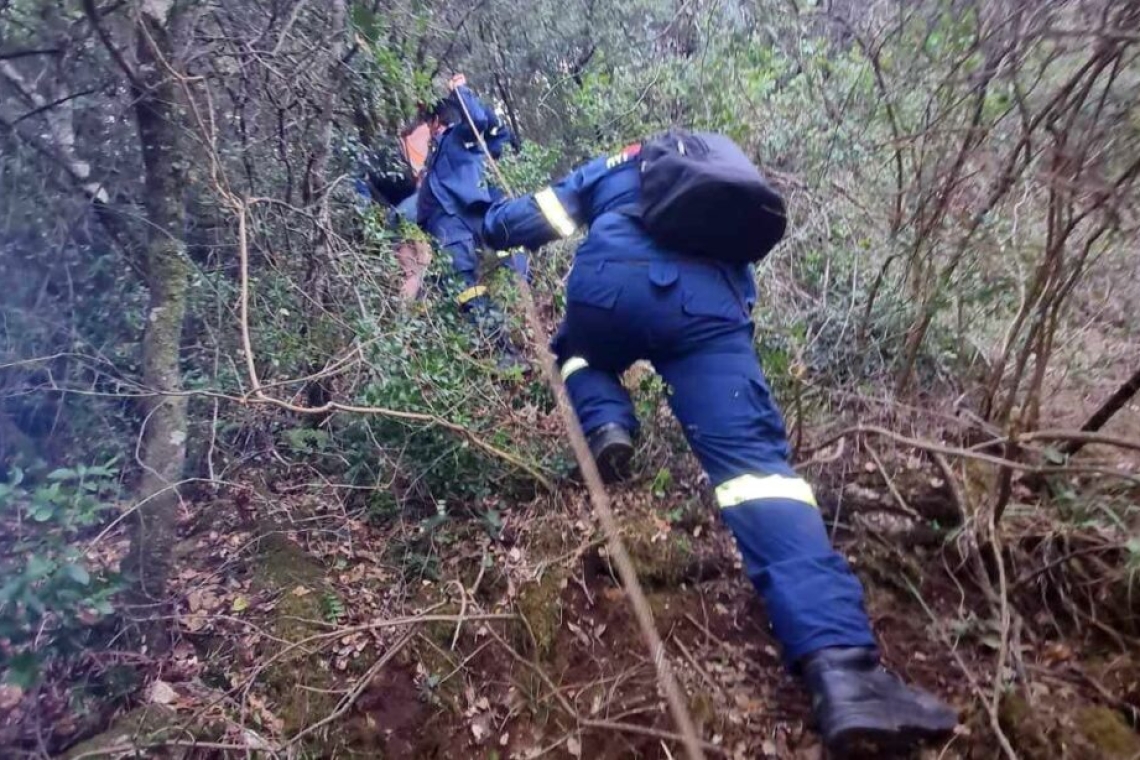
(281, 624)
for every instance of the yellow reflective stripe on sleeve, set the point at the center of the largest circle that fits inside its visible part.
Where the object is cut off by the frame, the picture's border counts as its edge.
(555, 212)
(471, 294)
(753, 487)
(572, 365)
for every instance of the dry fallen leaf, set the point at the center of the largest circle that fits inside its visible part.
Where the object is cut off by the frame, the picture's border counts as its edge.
(239, 604)
(574, 746)
(10, 696)
(162, 693)
(480, 728)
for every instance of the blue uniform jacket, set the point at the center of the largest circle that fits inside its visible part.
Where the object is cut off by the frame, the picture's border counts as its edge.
(455, 188)
(601, 194)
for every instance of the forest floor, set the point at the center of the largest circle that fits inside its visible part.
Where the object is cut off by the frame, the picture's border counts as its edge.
(302, 625)
(307, 627)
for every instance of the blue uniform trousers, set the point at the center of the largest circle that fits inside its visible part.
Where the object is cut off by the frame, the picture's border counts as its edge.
(461, 246)
(692, 324)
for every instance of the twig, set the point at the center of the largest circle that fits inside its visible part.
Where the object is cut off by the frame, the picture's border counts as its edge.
(891, 484)
(703, 629)
(116, 749)
(1004, 612)
(656, 733)
(835, 455)
(696, 665)
(938, 448)
(1062, 560)
(462, 613)
(995, 720)
(1076, 436)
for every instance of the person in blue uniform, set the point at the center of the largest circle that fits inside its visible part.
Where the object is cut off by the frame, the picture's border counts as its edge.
(629, 299)
(455, 193)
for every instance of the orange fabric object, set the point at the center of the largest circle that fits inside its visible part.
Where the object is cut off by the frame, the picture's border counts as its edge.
(417, 143)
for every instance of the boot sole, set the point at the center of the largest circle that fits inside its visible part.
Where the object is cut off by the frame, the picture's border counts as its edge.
(614, 462)
(871, 739)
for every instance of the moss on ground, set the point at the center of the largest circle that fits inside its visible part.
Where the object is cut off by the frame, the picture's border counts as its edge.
(1069, 729)
(146, 725)
(296, 682)
(540, 604)
(662, 559)
(1107, 733)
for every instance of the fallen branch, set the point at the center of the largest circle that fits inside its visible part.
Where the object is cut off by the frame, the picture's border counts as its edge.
(1062, 560)
(1071, 436)
(135, 749)
(955, 451)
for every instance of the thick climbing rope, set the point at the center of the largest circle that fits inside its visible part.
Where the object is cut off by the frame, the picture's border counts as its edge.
(598, 496)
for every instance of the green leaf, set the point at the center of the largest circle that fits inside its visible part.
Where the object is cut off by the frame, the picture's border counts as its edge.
(10, 589)
(77, 573)
(1053, 456)
(62, 473)
(42, 512)
(37, 568)
(24, 670)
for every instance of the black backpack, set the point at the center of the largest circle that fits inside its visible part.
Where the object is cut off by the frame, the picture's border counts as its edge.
(700, 195)
(389, 174)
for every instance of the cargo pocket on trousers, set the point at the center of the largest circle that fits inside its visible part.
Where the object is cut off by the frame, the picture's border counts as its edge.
(588, 284)
(707, 293)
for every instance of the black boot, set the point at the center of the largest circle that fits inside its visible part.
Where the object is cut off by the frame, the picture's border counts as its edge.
(612, 449)
(855, 702)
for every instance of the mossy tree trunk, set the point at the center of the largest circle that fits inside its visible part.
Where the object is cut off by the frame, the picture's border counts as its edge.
(162, 449)
(314, 194)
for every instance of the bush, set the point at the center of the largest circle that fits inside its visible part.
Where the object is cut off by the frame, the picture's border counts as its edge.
(51, 597)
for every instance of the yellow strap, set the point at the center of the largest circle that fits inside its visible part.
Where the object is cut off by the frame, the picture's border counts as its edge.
(753, 487)
(471, 294)
(572, 365)
(555, 212)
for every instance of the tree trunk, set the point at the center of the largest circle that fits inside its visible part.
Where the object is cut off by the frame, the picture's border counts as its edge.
(162, 451)
(315, 191)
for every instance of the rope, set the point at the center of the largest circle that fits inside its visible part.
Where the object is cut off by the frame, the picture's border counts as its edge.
(598, 496)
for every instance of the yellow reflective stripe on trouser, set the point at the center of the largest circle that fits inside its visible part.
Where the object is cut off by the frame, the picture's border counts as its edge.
(471, 294)
(572, 365)
(753, 487)
(555, 212)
